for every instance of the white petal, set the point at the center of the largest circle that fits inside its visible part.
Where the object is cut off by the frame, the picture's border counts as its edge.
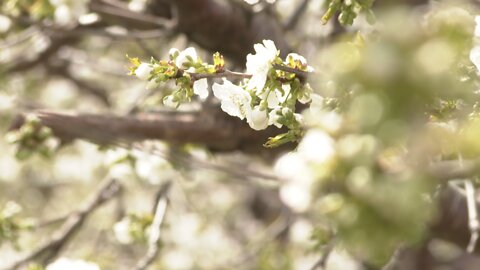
(272, 100)
(257, 81)
(234, 99)
(200, 88)
(270, 46)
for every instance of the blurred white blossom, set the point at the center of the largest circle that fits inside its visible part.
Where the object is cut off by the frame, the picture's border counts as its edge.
(67, 12)
(5, 24)
(72, 264)
(121, 230)
(317, 147)
(153, 169)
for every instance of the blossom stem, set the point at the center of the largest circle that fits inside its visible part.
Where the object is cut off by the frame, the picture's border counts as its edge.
(239, 75)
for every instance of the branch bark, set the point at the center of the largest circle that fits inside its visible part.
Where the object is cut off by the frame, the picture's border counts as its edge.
(211, 127)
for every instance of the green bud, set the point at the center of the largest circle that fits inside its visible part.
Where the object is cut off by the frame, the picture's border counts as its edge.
(23, 153)
(12, 137)
(44, 133)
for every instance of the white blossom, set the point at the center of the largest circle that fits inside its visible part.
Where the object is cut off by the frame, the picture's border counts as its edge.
(121, 230)
(63, 15)
(296, 196)
(200, 88)
(153, 169)
(143, 71)
(234, 99)
(317, 146)
(186, 56)
(71, 264)
(5, 24)
(258, 118)
(89, 18)
(67, 12)
(260, 63)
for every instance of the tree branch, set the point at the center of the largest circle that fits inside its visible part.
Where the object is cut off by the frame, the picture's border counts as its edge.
(75, 220)
(212, 128)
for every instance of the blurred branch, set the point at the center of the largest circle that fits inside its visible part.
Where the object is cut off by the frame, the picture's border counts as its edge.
(454, 169)
(322, 262)
(154, 238)
(297, 15)
(83, 86)
(55, 44)
(116, 14)
(75, 220)
(177, 157)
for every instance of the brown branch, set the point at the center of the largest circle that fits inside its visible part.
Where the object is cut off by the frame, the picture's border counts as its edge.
(212, 128)
(61, 237)
(226, 27)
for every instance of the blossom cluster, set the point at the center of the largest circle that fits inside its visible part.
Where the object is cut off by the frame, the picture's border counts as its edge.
(72, 264)
(263, 96)
(63, 13)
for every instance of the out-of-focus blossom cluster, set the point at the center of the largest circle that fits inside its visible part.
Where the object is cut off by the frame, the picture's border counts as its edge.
(72, 264)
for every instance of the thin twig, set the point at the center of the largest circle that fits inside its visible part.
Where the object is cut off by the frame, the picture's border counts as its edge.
(240, 75)
(154, 238)
(322, 262)
(473, 223)
(239, 172)
(61, 237)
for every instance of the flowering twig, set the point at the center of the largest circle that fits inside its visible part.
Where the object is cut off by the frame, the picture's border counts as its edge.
(154, 237)
(60, 238)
